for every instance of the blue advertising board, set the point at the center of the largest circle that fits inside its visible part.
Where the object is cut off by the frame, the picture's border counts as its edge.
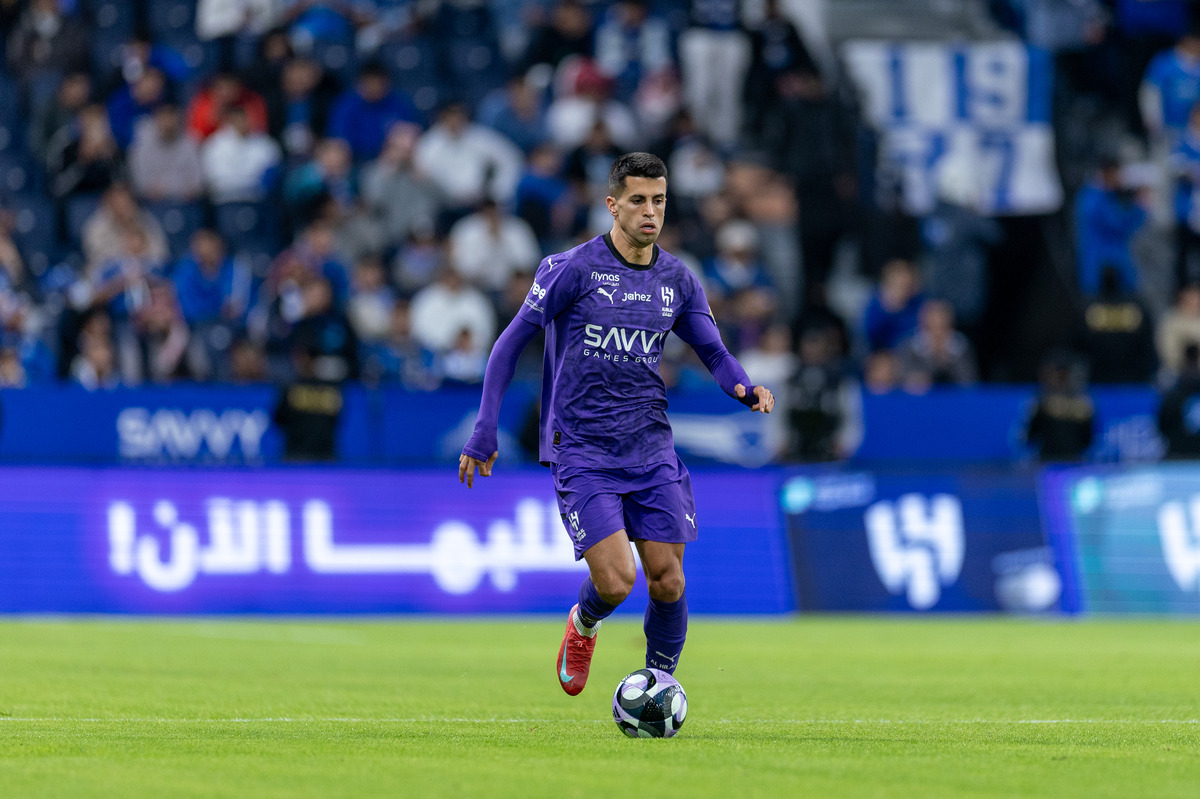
(124, 540)
(1129, 539)
(898, 541)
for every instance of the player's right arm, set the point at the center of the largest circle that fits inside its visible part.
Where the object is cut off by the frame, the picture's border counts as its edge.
(554, 288)
(482, 449)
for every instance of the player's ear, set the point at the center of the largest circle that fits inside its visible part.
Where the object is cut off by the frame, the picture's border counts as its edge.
(611, 202)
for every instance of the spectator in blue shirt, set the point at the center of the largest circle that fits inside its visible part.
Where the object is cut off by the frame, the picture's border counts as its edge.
(1107, 215)
(130, 103)
(364, 114)
(1171, 87)
(517, 112)
(212, 286)
(895, 307)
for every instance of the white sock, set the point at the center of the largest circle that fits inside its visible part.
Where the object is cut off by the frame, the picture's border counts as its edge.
(581, 628)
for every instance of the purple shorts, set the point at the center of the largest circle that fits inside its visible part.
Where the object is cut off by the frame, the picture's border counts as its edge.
(651, 503)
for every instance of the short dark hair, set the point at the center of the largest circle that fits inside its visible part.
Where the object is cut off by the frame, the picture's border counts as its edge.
(634, 165)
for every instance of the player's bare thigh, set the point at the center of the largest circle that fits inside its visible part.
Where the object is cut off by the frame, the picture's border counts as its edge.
(662, 563)
(612, 567)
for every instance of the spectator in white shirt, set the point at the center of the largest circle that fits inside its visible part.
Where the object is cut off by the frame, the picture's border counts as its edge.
(468, 161)
(239, 163)
(488, 246)
(443, 309)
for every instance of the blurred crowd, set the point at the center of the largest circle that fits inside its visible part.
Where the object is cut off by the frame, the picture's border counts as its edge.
(326, 190)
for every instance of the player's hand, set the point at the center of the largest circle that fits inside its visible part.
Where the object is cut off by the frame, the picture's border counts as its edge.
(467, 466)
(766, 400)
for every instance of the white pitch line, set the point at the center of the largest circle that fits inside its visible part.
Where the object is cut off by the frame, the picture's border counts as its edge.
(430, 720)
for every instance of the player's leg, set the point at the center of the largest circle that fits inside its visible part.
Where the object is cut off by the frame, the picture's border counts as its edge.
(666, 612)
(611, 572)
(662, 519)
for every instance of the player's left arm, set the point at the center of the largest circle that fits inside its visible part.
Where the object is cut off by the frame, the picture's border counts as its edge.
(696, 326)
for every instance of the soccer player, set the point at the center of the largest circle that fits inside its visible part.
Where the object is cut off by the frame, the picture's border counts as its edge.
(606, 307)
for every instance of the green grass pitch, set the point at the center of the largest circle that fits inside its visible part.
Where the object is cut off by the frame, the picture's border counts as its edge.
(828, 707)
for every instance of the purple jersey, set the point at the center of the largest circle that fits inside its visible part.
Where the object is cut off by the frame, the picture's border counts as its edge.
(604, 404)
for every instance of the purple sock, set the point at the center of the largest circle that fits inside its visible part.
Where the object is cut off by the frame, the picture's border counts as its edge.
(666, 630)
(592, 607)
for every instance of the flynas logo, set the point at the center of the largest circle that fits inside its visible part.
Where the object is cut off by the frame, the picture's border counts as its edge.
(606, 278)
(917, 545)
(1179, 531)
(622, 344)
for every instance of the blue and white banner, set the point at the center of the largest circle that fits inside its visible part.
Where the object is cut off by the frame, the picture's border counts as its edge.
(1130, 538)
(983, 109)
(344, 541)
(903, 541)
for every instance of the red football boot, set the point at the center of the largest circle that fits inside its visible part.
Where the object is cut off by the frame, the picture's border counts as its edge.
(575, 655)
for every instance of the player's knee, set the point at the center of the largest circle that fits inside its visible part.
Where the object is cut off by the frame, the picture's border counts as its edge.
(667, 587)
(614, 584)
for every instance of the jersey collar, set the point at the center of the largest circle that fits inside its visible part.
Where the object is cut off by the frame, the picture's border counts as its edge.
(640, 267)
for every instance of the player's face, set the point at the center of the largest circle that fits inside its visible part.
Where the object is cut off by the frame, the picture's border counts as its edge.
(640, 210)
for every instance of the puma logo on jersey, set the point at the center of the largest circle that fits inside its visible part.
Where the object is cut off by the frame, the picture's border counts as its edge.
(608, 294)
(691, 519)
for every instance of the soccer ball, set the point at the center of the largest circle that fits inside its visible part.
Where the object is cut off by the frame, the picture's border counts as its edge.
(649, 703)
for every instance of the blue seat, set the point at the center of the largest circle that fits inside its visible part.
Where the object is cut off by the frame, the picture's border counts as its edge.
(19, 173)
(412, 62)
(337, 58)
(35, 232)
(179, 221)
(79, 210)
(168, 17)
(250, 229)
(118, 17)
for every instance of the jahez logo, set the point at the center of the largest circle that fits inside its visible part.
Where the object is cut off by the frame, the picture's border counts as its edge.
(1179, 531)
(917, 545)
